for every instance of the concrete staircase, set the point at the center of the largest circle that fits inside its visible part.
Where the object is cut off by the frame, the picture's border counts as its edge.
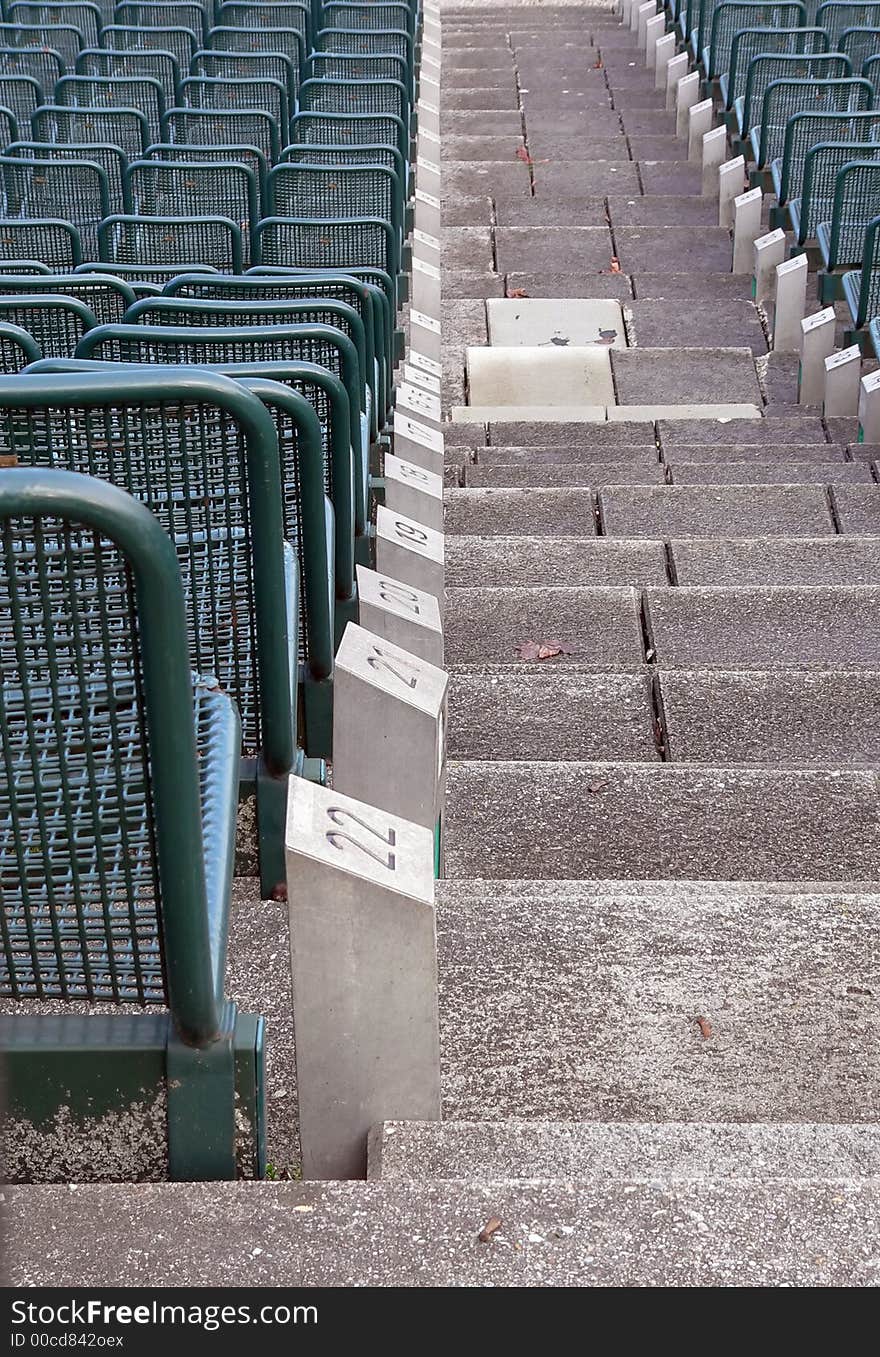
(658, 940)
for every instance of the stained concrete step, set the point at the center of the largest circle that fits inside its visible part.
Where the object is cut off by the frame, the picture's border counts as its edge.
(544, 713)
(744, 454)
(576, 475)
(776, 560)
(423, 1151)
(597, 628)
(771, 432)
(765, 628)
(830, 718)
(789, 472)
(508, 820)
(715, 511)
(534, 561)
(574, 455)
(541, 513)
(583, 1001)
(552, 1234)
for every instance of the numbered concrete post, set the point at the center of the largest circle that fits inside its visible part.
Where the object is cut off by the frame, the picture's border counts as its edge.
(428, 176)
(426, 287)
(646, 12)
(429, 115)
(817, 344)
(676, 70)
(769, 251)
(700, 118)
(424, 334)
(746, 228)
(635, 14)
(687, 94)
(426, 246)
(731, 181)
(427, 211)
(416, 376)
(869, 408)
(418, 442)
(389, 727)
(418, 404)
(409, 551)
(654, 30)
(401, 614)
(714, 153)
(842, 372)
(412, 491)
(427, 365)
(625, 11)
(789, 304)
(363, 948)
(664, 51)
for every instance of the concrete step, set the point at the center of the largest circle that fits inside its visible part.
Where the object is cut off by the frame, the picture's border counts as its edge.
(716, 511)
(858, 508)
(573, 455)
(393, 1234)
(772, 433)
(765, 628)
(423, 1151)
(583, 1001)
(789, 472)
(550, 714)
(506, 820)
(830, 718)
(541, 513)
(578, 475)
(534, 561)
(597, 628)
(744, 454)
(776, 560)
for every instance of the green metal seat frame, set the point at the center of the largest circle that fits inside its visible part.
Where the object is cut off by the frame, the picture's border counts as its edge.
(107, 298)
(203, 454)
(76, 190)
(223, 126)
(180, 42)
(748, 43)
(802, 132)
(18, 348)
(56, 322)
(129, 239)
(111, 159)
(861, 288)
(142, 92)
(241, 94)
(723, 20)
(841, 239)
(108, 739)
(55, 242)
(127, 62)
(784, 98)
(168, 188)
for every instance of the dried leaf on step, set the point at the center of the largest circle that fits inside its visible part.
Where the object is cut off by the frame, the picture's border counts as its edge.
(597, 64)
(615, 264)
(705, 1027)
(279, 892)
(598, 786)
(522, 154)
(492, 1226)
(542, 650)
(517, 292)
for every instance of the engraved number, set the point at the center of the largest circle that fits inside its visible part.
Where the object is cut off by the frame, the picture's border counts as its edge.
(390, 592)
(339, 816)
(410, 533)
(378, 661)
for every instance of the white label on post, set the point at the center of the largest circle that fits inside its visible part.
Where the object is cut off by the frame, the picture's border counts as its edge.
(419, 360)
(419, 403)
(416, 377)
(427, 322)
(423, 238)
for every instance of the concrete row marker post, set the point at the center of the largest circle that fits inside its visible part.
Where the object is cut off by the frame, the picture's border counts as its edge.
(687, 94)
(769, 250)
(676, 70)
(664, 52)
(362, 857)
(746, 228)
(842, 372)
(869, 408)
(789, 304)
(817, 344)
(714, 154)
(654, 30)
(700, 117)
(731, 182)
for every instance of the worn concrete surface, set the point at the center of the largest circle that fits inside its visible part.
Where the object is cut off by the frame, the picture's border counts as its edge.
(777, 560)
(535, 561)
(407, 1234)
(598, 628)
(714, 511)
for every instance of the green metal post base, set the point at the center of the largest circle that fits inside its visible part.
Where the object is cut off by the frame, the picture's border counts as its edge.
(119, 1097)
(347, 610)
(364, 549)
(271, 821)
(318, 714)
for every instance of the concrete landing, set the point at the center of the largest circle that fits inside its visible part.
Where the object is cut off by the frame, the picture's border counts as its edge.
(413, 1234)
